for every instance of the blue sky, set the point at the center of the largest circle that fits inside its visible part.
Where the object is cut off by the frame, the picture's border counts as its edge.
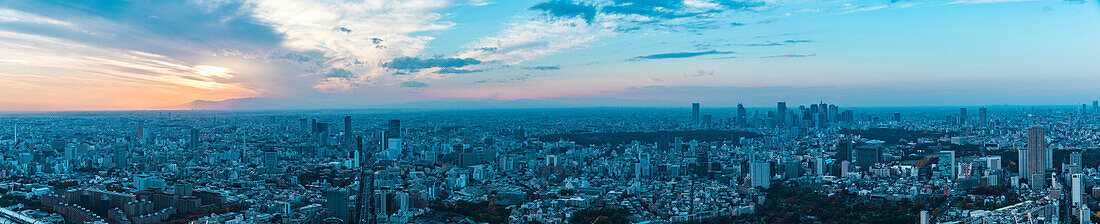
(110, 55)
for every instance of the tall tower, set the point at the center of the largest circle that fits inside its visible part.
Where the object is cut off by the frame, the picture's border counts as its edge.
(695, 112)
(1036, 154)
(781, 116)
(393, 129)
(742, 116)
(346, 143)
(983, 117)
(962, 116)
(193, 142)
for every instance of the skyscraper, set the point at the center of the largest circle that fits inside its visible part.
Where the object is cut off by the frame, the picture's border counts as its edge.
(193, 143)
(742, 116)
(868, 155)
(336, 204)
(781, 116)
(962, 116)
(1036, 154)
(1096, 106)
(346, 137)
(983, 117)
(393, 129)
(761, 174)
(695, 112)
(1076, 191)
(897, 117)
(946, 165)
(1022, 156)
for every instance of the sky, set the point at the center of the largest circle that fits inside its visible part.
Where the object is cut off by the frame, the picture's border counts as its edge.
(312, 54)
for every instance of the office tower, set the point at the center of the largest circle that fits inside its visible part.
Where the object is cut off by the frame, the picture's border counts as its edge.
(336, 204)
(1084, 109)
(346, 137)
(193, 140)
(303, 127)
(897, 117)
(823, 115)
(819, 166)
(1036, 150)
(844, 150)
(313, 125)
(946, 165)
(781, 116)
(760, 174)
(742, 116)
(834, 112)
(393, 129)
(1096, 106)
(139, 134)
(962, 116)
(322, 133)
(1021, 156)
(695, 112)
(983, 117)
(867, 156)
(1075, 158)
(848, 116)
(1076, 190)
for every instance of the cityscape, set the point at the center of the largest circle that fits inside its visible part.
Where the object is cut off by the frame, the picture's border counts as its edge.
(549, 111)
(816, 163)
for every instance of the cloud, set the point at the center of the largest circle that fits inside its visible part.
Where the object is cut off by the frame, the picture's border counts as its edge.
(699, 73)
(565, 8)
(543, 68)
(789, 56)
(413, 64)
(458, 71)
(534, 37)
(338, 73)
(64, 74)
(681, 54)
(414, 84)
(364, 37)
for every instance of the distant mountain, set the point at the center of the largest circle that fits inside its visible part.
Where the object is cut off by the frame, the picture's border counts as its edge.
(263, 103)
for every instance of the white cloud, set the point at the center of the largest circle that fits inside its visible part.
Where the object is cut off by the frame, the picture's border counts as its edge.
(357, 36)
(533, 38)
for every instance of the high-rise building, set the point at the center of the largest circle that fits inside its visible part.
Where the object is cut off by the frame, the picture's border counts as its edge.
(1075, 158)
(844, 150)
(962, 116)
(1096, 106)
(303, 127)
(336, 204)
(742, 116)
(1077, 189)
(1037, 156)
(193, 142)
(347, 136)
(781, 115)
(897, 117)
(695, 112)
(761, 174)
(1022, 156)
(983, 117)
(393, 129)
(321, 133)
(946, 165)
(868, 155)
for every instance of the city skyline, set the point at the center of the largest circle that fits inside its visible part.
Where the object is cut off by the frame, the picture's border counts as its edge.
(501, 54)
